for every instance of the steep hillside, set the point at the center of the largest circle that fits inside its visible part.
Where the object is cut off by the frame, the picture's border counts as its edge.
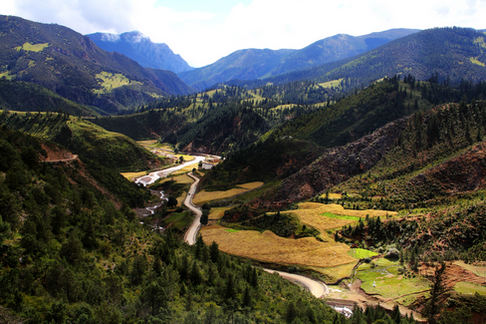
(105, 154)
(357, 115)
(222, 120)
(256, 64)
(25, 96)
(141, 49)
(87, 140)
(72, 66)
(144, 125)
(225, 129)
(297, 142)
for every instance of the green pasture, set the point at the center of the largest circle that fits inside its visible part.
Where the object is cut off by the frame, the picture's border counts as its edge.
(381, 277)
(346, 217)
(469, 288)
(361, 253)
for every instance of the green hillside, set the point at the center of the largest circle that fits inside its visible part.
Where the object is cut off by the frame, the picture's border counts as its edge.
(24, 96)
(105, 154)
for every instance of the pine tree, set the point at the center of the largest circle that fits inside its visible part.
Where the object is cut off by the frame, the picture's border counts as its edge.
(433, 306)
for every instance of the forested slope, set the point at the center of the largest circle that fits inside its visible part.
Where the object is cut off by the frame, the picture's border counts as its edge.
(104, 153)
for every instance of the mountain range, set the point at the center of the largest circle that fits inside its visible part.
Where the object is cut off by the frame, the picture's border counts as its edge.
(250, 64)
(141, 49)
(451, 53)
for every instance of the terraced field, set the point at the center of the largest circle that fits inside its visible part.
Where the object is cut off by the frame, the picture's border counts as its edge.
(268, 247)
(329, 216)
(206, 196)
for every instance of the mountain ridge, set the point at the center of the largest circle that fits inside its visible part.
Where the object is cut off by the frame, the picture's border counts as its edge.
(249, 64)
(141, 49)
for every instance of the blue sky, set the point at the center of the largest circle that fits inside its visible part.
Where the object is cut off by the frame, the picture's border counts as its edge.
(204, 31)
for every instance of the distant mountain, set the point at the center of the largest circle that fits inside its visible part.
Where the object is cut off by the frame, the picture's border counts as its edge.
(448, 54)
(141, 49)
(72, 66)
(252, 64)
(336, 48)
(248, 64)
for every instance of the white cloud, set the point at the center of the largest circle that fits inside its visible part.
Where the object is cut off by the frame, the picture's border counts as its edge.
(203, 37)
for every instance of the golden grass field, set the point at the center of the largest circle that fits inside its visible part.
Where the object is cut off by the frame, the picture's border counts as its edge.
(218, 212)
(110, 81)
(132, 175)
(182, 178)
(268, 247)
(310, 213)
(333, 83)
(478, 270)
(332, 195)
(337, 272)
(206, 196)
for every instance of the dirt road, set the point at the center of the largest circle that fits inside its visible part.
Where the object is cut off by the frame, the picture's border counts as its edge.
(317, 288)
(190, 236)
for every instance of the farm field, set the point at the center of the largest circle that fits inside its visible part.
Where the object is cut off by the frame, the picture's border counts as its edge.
(335, 273)
(329, 216)
(182, 178)
(381, 277)
(206, 196)
(469, 288)
(478, 270)
(218, 212)
(132, 175)
(268, 247)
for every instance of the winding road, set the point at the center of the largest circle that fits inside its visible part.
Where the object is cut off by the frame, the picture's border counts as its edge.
(317, 288)
(190, 236)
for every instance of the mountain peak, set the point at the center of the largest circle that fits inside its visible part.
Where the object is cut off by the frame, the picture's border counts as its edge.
(134, 36)
(141, 49)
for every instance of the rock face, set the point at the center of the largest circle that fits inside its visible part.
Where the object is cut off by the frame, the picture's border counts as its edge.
(464, 173)
(340, 163)
(141, 49)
